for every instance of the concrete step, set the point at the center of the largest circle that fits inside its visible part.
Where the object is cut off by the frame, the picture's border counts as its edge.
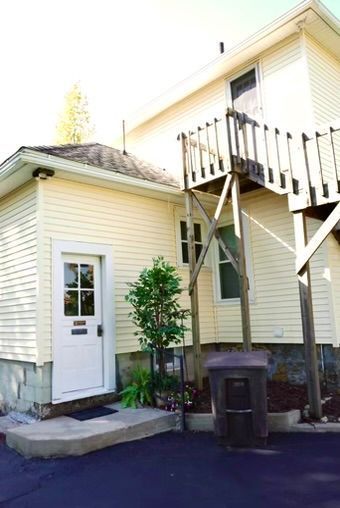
(64, 436)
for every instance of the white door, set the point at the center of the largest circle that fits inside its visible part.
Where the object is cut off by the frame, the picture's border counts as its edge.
(81, 343)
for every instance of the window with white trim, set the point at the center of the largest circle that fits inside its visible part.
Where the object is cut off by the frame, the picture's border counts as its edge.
(228, 277)
(243, 93)
(184, 240)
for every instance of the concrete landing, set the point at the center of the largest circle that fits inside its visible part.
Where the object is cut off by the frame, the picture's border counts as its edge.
(64, 436)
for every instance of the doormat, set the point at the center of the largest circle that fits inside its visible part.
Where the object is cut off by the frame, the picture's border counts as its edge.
(94, 412)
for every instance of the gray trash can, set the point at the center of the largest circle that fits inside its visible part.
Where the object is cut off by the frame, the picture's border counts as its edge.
(238, 384)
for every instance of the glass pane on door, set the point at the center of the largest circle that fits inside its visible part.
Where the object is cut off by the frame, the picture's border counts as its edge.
(71, 304)
(87, 303)
(86, 276)
(71, 275)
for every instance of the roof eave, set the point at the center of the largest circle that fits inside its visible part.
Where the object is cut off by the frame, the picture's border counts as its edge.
(71, 169)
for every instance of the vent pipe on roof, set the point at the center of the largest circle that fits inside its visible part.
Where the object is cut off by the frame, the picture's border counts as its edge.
(221, 47)
(124, 151)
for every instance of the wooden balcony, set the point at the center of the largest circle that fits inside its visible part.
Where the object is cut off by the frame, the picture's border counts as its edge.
(306, 166)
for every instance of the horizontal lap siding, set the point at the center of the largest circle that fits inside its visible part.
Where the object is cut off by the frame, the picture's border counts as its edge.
(284, 87)
(324, 78)
(138, 229)
(334, 282)
(156, 140)
(18, 274)
(276, 302)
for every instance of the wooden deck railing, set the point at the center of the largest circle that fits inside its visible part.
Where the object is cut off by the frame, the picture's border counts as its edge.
(305, 166)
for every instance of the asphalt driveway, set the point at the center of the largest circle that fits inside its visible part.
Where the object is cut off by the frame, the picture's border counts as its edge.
(180, 470)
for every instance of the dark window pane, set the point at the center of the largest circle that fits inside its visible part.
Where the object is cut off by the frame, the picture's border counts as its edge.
(228, 235)
(229, 281)
(198, 248)
(185, 256)
(71, 303)
(183, 230)
(71, 275)
(197, 232)
(87, 303)
(86, 276)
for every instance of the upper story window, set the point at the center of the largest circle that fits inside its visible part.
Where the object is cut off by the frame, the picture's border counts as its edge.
(184, 240)
(244, 93)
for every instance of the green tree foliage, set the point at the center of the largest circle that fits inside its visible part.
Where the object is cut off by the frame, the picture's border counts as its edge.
(74, 125)
(156, 310)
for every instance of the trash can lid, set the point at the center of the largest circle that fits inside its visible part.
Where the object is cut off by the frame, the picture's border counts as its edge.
(234, 360)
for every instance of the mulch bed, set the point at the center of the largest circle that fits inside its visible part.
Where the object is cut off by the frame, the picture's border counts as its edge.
(281, 397)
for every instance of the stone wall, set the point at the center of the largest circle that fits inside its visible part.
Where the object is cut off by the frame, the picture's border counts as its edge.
(24, 386)
(286, 362)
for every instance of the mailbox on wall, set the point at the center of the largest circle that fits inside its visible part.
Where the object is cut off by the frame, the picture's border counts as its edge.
(238, 383)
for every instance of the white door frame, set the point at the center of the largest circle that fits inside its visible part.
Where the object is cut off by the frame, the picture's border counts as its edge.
(59, 248)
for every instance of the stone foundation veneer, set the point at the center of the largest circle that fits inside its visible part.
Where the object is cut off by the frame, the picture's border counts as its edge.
(24, 387)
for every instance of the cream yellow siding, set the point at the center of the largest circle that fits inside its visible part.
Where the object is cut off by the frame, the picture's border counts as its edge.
(156, 140)
(324, 77)
(276, 308)
(324, 80)
(137, 227)
(284, 87)
(140, 228)
(333, 277)
(284, 97)
(18, 274)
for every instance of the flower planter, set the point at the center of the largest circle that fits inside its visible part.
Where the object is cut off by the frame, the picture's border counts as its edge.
(161, 399)
(277, 422)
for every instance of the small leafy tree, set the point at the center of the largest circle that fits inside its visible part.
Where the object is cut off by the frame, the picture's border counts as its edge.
(156, 310)
(74, 124)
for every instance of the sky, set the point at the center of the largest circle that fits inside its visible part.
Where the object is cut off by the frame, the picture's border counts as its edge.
(123, 53)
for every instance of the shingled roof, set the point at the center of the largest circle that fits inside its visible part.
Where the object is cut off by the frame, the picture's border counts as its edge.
(111, 159)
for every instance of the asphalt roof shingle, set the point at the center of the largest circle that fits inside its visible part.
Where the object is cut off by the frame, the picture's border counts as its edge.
(111, 159)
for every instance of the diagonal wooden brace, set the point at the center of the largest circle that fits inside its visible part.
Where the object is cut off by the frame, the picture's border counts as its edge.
(211, 232)
(319, 237)
(226, 251)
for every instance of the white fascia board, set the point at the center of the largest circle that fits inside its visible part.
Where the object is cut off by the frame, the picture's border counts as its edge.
(268, 36)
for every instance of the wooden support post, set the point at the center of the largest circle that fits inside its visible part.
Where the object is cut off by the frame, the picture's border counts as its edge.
(195, 328)
(305, 290)
(245, 315)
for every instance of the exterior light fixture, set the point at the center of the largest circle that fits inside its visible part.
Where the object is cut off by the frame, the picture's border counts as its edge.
(43, 174)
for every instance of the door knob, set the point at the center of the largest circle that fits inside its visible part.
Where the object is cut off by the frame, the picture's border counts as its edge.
(99, 330)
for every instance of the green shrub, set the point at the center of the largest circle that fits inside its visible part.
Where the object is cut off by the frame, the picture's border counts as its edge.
(139, 392)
